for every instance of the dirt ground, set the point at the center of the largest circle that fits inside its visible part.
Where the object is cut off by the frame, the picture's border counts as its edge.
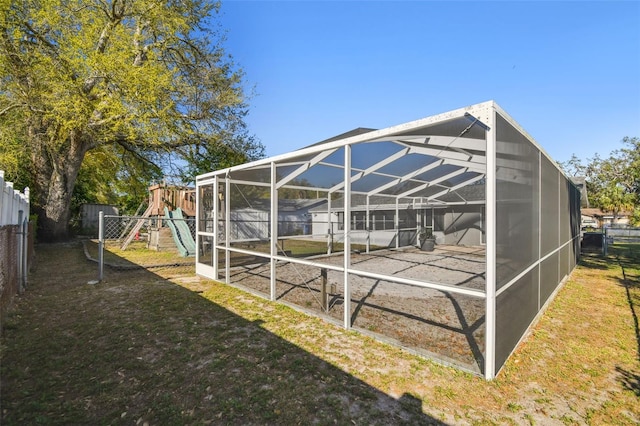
(440, 324)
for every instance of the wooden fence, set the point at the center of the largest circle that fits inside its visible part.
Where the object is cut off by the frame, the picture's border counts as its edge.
(16, 242)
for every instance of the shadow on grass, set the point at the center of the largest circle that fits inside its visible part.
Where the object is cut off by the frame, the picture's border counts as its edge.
(630, 381)
(138, 348)
(628, 257)
(594, 261)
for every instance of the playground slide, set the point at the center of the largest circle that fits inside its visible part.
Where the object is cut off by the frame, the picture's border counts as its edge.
(181, 233)
(185, 231)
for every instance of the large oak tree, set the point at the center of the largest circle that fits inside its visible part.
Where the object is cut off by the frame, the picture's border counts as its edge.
(140, 81)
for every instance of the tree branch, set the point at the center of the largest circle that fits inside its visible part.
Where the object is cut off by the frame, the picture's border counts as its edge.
(10, 107)
(134, 152)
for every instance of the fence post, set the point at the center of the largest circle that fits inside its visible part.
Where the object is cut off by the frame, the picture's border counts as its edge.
(25, 236)
(20, 253)
(25, 250)
(100, 245)
(2, 202)
(605, 243)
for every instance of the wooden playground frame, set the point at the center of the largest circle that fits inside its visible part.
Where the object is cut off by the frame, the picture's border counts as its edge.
(162, 199)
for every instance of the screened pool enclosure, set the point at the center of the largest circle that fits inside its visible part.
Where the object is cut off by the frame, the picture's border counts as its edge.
(341, 229)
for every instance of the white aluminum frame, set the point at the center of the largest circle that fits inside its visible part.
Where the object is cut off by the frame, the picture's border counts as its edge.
(461, 151)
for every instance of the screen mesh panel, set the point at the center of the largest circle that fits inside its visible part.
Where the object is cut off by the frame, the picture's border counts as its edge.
(516, 307)
(550, 230)
(516, 202)
(549, 276)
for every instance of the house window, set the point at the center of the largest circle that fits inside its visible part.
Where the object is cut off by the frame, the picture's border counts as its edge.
(358, 221)
(382, 220)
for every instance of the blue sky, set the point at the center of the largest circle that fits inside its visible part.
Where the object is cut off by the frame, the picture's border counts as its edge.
(568, 72)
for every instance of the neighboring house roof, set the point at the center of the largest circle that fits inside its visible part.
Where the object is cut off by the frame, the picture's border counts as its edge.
(581, 183)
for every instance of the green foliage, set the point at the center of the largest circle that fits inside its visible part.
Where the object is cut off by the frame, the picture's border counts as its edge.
(573, 167)
(222, 151)
(111, 177)
(634, 220)
(613, 183)
(612, 197)
(13, 155)
(110, 92)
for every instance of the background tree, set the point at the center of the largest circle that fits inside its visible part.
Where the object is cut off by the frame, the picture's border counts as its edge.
(139, 83)
(613, 183)
(108, 177)
(573, 166)
(13, 157)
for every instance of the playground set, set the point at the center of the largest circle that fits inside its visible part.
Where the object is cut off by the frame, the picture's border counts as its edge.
(165, 220)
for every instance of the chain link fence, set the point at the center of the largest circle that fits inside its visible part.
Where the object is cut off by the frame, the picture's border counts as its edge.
(165, 245)
(625, 234)
(599, 240)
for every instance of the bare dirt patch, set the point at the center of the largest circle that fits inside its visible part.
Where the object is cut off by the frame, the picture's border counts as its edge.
(441, 324)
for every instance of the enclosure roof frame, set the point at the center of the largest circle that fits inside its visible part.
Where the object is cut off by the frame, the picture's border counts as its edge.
(479, 111)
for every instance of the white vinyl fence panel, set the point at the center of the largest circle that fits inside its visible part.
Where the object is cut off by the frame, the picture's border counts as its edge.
(14, 219)
(12, 202)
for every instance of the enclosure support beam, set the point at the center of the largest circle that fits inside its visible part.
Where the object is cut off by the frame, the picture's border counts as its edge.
(490, 345)
(100, 246)
(227, 228)
(455, 188)
(397, 223)
(539, 223)
(433, 182)
(198, 217)
(366, 225)
(215, 203)
(324, 300)
(306, 166)
(347, 241)
(274, 232)
(329, 226)
(371, 169)
(406, 177)
(559, 215)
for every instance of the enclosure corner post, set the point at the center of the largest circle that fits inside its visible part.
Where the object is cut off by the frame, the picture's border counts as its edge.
(197, 235)
(100, 246)
(367, 226)
(227, 228)
(347, 241)
(216, 226)
(490, 179)
(274, 233)
(329, 226)
(396, 222)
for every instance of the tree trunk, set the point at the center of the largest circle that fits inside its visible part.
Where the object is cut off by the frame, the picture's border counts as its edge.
(55, 173)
